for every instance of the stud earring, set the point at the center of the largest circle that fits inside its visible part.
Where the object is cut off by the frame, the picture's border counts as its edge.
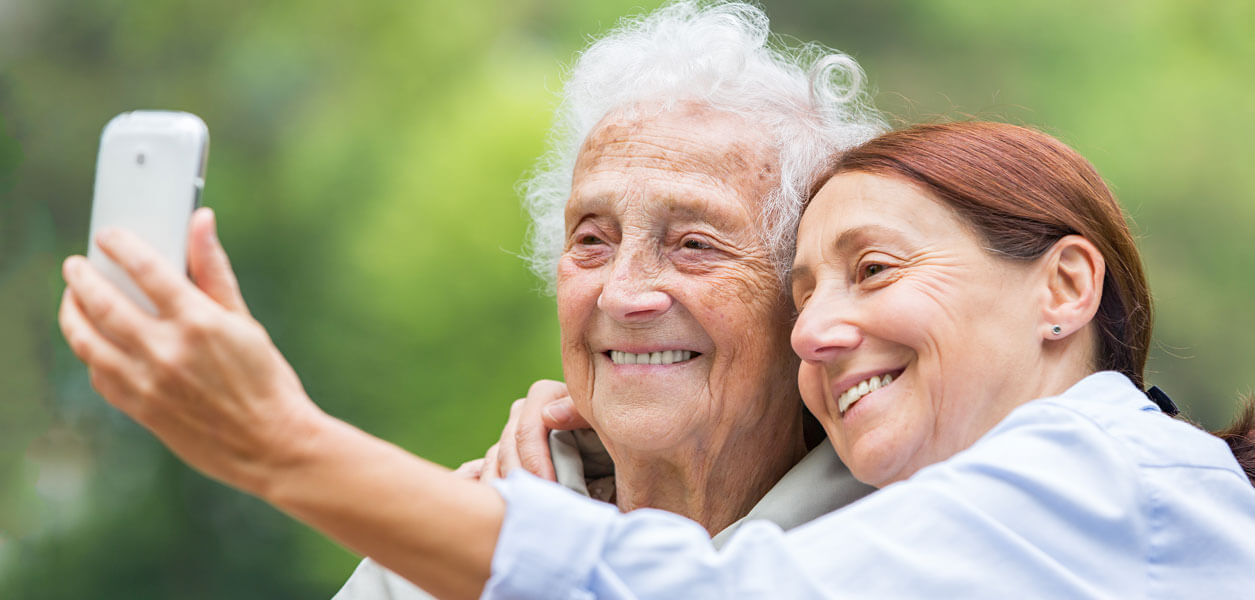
(1056, 330)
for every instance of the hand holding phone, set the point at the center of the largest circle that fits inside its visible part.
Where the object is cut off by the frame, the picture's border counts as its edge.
(149, 177)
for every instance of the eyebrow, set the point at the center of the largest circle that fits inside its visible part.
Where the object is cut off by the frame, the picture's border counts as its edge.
(848, 241)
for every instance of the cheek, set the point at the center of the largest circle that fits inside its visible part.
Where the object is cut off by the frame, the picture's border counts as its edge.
(812, 382)
(748, 320)
(914, 316)
(577, 290)
(751, 329)
(753, 283)
(747, 296)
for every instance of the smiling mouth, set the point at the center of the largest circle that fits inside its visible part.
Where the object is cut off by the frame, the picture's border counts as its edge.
(665, 357)
(863, 388)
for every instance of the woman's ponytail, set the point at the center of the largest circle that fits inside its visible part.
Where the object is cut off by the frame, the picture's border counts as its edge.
(1240, 435)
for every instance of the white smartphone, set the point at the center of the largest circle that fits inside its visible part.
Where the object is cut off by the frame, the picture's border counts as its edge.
(150, 173)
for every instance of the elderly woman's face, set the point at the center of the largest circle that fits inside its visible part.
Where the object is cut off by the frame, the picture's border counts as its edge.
(892, 286)
(674, 326)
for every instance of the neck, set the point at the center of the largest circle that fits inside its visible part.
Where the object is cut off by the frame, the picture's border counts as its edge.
(1060, 366)
(714, 480)
(1066, 362)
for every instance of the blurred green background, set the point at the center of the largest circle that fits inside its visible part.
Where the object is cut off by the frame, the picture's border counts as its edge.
(363, 163)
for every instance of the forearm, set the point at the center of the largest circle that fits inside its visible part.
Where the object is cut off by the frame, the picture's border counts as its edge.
(408, 514)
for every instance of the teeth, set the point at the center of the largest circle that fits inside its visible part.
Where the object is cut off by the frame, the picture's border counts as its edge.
(664, 357)
(863, 388)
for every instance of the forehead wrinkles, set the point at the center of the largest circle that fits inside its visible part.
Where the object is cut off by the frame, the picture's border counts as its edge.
(697, 147)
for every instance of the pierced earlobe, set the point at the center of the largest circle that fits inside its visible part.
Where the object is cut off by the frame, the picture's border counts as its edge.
(1074, 279)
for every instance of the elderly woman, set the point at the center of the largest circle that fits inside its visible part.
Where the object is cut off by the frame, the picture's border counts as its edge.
(973, 326)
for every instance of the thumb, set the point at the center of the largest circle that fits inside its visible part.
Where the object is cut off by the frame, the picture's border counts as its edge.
(208, 263)
(561, 414)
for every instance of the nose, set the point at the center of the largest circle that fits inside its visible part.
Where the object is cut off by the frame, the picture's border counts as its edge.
(631, 293)
(823, 332)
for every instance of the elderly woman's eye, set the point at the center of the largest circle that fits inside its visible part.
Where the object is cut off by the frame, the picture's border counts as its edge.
(695, 244)
(588, 240)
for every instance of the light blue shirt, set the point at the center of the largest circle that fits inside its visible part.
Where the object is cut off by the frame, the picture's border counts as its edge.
(815, 486)
(1090, 494)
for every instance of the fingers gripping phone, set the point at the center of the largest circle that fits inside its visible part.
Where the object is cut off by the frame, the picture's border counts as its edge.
(149, 176)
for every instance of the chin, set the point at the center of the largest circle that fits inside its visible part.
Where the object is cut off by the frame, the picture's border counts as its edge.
(876, 468)
(876, 477)
(642, 427)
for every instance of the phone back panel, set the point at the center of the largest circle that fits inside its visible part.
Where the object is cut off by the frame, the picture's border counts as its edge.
(149, 174)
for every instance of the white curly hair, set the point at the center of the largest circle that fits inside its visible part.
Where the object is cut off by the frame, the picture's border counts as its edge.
(809, 100)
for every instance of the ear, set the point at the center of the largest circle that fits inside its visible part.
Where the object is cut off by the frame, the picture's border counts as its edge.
(1074, 282)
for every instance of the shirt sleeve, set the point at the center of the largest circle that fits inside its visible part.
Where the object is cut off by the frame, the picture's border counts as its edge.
(1044, 505)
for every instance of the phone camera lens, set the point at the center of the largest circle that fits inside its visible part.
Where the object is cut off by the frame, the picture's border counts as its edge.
(139, 159)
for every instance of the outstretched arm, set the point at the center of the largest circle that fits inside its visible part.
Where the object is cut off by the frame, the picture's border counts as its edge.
(206, 379)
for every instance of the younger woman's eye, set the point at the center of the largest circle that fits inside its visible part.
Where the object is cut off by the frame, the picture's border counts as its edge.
(798, 304)
(870, 270)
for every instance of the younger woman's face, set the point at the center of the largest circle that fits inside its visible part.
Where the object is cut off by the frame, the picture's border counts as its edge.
(915, 339)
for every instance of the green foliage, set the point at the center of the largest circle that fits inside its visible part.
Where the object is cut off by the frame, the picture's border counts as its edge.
(362, 167)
